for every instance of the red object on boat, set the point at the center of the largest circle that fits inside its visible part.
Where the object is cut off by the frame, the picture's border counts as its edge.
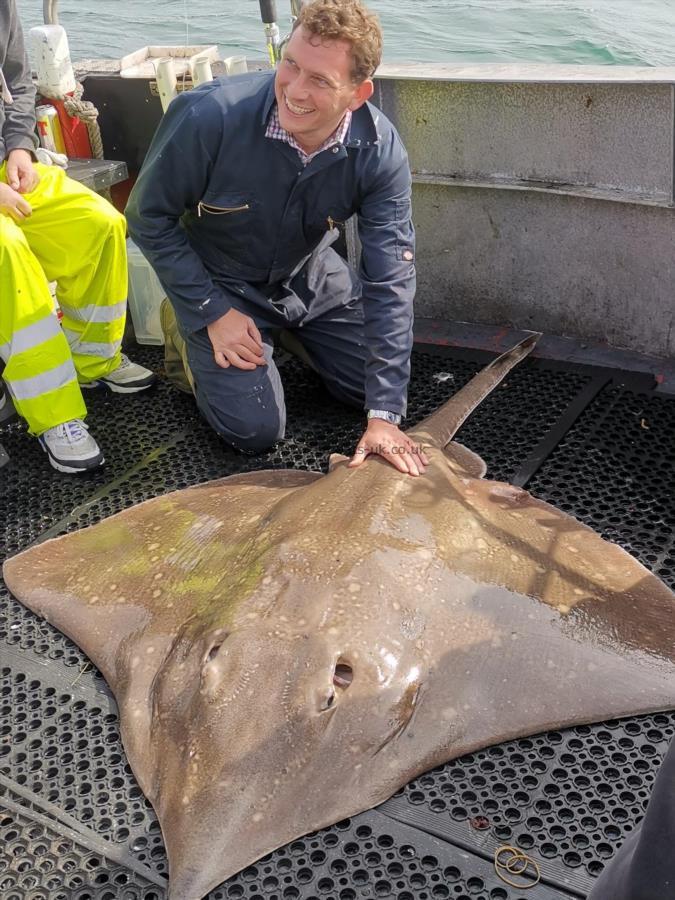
(75, 135)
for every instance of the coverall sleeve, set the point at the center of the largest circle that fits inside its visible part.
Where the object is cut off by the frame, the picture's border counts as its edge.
(173, 179)
(18, 132)
(387, 273)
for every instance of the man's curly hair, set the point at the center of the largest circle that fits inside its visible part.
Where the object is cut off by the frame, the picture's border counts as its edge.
(346, 20)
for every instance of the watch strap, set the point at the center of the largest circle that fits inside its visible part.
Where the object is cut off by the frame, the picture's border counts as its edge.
(392, 418)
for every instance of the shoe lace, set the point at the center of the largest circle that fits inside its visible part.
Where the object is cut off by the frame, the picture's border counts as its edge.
(73, 431)
(124, 361)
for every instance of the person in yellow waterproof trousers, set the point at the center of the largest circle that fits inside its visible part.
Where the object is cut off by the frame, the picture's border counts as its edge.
(54, 229)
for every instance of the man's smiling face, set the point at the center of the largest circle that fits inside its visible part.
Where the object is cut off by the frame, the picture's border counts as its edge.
(314, 87)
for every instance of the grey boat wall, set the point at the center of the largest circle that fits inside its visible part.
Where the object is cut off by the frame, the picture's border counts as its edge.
(543, 196)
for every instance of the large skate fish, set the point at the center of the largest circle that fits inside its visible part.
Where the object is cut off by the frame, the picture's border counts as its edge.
(288, 649)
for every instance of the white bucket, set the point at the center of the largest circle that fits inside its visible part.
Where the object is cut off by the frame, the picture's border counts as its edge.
(145, 297)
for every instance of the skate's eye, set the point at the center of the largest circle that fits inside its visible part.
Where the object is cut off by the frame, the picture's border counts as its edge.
(215, 647)
(342, 678)
(329, 701)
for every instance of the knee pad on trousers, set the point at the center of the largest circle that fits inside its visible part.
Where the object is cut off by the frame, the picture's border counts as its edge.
(264, 437)
(249, 427)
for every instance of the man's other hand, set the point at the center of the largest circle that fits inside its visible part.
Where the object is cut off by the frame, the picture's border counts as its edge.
(393, 445)
(22, 175)
(12, 204)
(236, 341)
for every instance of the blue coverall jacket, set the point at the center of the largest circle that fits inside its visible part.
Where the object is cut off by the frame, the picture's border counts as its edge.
(219, 207)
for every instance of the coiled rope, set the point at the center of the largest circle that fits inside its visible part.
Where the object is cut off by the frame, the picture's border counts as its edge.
(88, 113)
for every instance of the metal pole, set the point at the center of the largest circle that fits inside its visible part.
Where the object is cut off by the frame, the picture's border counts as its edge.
(268, 14)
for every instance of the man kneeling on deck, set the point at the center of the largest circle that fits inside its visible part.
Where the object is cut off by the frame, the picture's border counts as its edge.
(242, 193)
(53, 229)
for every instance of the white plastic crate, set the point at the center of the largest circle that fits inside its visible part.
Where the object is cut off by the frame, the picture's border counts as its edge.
(145, 297)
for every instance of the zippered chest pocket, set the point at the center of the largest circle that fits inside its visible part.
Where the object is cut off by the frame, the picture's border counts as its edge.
(223, 204)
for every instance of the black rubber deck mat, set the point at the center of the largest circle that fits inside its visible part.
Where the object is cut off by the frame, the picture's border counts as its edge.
(568, 798)
(43, 857)
(371, 856)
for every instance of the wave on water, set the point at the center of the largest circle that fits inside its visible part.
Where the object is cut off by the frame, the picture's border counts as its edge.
(596, 32)
(592, 32)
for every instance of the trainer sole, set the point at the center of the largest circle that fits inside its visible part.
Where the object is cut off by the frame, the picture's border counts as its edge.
(118, 388)
(89, 465)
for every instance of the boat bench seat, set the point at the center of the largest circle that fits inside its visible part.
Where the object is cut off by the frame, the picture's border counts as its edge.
(97, 174)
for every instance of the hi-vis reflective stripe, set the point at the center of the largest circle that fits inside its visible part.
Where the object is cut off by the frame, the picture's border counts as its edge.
(52, 380)
(89, 348)
(29, 337)
(94, 312)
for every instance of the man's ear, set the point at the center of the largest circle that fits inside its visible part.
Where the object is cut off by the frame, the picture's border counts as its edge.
(364, 92)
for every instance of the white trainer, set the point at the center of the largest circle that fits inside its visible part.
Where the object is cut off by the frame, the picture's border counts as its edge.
(71, 448)
(128, 378)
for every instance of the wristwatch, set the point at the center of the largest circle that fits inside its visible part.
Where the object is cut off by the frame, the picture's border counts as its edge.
(392, 418)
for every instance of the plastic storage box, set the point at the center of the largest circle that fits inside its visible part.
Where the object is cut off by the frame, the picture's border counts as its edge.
(145, 297)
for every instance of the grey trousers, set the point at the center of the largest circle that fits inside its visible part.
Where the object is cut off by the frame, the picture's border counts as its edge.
(321, 306)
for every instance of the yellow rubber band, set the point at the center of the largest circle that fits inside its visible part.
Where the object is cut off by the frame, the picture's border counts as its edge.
(517, 863)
